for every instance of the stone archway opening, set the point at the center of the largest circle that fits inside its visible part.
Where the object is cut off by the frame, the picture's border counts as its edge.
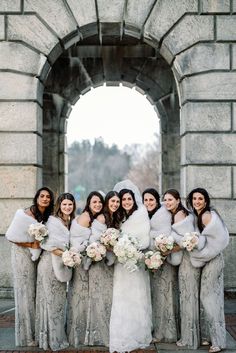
(89, 63)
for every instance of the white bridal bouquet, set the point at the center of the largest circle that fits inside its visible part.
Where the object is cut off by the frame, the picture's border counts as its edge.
(127, 252)
(39, 231)
(164, 243)
(153, 260)
(71, 257)
(190, 241)
(96, 251)
(110, 237)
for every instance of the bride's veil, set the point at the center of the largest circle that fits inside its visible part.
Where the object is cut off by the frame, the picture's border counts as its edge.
(128, 184)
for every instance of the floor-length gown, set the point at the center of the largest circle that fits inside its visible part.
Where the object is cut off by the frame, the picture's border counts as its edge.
(24, 277)
(78, 290)
(51, 290)
(164, 286)
(131, 314)
(100, 296)
(210, 258)
(189, 287)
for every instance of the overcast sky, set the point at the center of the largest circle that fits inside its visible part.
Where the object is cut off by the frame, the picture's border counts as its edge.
(118, 114)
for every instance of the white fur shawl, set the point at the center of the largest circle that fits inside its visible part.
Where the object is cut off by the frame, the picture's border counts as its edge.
(58, 238)
(138, 225)
(18, 231)
(216, 239)
(79, 236)
(178, 231)
(160, 224)
(97, 228)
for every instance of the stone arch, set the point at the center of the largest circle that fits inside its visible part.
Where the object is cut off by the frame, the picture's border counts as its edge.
(196, 38)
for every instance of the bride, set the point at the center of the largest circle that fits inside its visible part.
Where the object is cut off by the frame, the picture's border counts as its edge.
(131, 316)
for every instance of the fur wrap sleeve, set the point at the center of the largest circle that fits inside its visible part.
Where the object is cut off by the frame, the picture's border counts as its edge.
(58, 238)
(97, 228)
(79, 236)
(18, 231)
(160, 224)
(217, 238)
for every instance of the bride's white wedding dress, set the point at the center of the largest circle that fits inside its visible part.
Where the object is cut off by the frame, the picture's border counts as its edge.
(131, 314)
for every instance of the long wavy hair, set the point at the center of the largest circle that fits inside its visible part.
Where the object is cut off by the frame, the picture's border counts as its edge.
(42, 217)
(156, 195)
(113, 219)
(124, 214)
(189, 203)
(176, 195)
(87, 205)
(57, 210)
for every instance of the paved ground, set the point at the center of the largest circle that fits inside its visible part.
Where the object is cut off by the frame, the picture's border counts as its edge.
(7, 341)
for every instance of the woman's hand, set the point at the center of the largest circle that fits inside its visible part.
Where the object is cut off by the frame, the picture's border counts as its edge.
(57, 252)
(176, 248)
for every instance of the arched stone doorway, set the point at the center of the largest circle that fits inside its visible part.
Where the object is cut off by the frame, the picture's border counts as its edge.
(193, 39)
(86, 65)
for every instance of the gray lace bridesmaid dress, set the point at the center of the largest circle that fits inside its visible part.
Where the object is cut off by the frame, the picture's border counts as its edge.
(78, 290)
(100, 296)
(24, 279)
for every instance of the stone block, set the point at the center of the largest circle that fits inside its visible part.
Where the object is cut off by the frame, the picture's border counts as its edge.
(211, 86)
(202, 57)
(227, 210)
(215, 6)
(136, 14)
(17, 57)
(8, 208)
(84, 11)
(233, 56)
(164, 15)
(234, 182)
(55, 13)
(2, 28)
(190, 30)
(110, 11)
(226, 27)
(205, 116)
(211, 178)
(29, 29)
(10, 6)
(234, 5)
(208, 149)
(20, 148)
(19, 181)
(20, 116)
(229, 270)
(14, 86)
(6, 279)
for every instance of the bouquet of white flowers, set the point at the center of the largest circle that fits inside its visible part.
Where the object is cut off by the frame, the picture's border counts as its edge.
(190, 241)
(127, 252)
(153, 260)
(96, 251)
(110, 237)
(164, 243)
(71, 257)
(39, 231)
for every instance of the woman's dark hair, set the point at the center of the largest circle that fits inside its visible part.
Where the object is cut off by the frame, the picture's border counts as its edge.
(57, 210)
(155, 194)
(124, 214)
(189, 203)
(180, 207)
(87, 206)
(42, 217)
(112, 220)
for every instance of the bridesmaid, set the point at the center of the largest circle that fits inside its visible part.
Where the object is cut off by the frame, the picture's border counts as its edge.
(78, 291)
(101, 276)
(215, 237)
(164, 283)
(189, 276)
(53, 276)
(24, 269)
